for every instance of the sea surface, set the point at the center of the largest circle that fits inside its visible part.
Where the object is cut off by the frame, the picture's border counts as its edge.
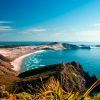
(30, 43)
(88, 58)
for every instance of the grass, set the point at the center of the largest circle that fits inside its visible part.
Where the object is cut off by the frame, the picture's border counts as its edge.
(92, 87)
(52, 91)
(66, 85)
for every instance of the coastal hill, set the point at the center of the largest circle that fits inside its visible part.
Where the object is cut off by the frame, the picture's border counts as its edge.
(7, 75)
(70, 77)
(14, 51)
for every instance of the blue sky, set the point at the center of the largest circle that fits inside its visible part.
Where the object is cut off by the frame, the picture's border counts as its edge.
(50, 20)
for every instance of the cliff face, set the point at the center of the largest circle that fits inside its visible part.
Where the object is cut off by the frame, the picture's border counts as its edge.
(71, 77)
(70, 46)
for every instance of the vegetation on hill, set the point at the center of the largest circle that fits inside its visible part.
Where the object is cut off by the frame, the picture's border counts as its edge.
(7, 75)
(4, 58)
(54, 82)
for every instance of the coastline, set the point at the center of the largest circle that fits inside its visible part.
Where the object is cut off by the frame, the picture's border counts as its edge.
(18, 61)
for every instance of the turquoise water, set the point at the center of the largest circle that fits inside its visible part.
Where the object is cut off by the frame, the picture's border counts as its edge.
(88, 58)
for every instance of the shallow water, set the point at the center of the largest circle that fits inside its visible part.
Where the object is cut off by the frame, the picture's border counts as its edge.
(88, 58)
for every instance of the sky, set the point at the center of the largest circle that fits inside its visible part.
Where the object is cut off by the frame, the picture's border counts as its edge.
(50, 20)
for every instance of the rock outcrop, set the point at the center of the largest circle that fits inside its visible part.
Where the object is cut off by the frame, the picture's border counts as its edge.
(71, 76)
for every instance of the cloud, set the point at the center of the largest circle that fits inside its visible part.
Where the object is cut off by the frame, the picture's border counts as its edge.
(89, 32)
(6, 28)
(38, 30)
(60, 33)
(34, 30)
(96, 24)
(3, 22)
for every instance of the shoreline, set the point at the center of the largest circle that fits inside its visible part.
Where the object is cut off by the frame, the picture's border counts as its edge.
(18, 61)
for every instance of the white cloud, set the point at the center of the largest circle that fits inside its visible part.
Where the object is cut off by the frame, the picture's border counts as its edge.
(6, 28)
(60, 33)
(96, 24)
(3, 22)
(34, 30)
(38, 30)
(89, 32)
(88, 35)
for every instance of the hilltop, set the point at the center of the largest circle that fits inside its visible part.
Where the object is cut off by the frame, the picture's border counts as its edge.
(71, 77)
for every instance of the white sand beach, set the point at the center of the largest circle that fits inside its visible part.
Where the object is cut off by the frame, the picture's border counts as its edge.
(18, 61)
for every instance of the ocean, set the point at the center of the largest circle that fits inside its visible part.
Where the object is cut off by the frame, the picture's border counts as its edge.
(88, 58)
(30, 43)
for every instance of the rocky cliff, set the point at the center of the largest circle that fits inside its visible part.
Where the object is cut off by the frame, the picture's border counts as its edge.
(71, 77)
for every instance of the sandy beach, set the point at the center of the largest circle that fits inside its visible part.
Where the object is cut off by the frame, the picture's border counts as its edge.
(4, 52)
(18, 61)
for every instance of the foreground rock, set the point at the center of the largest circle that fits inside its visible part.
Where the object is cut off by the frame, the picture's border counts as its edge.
(71, 77)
